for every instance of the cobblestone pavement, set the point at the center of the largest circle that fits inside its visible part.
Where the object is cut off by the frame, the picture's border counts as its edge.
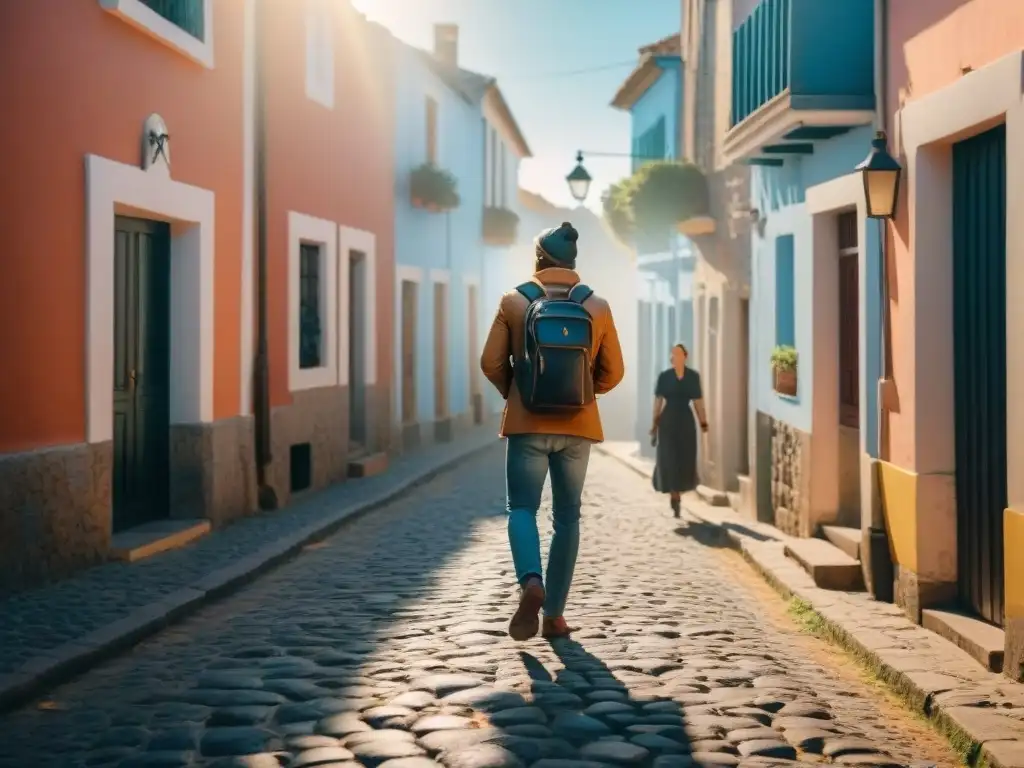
(43, 619)
(385, 647)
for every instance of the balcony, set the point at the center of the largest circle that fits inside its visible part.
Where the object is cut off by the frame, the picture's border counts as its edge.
(802, 72)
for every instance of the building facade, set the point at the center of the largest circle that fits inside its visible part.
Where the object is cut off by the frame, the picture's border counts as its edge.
(134, 329)
(802, 114)
(653, 96)
(453, 120)
(952, 449)
(721, 243)
(329, 237)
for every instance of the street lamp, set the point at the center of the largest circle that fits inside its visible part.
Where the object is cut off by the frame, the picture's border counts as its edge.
(579, 180)
(881, 174)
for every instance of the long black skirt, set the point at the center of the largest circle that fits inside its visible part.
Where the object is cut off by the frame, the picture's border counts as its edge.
(676, 467)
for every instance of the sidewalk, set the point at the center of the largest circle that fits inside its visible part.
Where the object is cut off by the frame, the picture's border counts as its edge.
(55, 632)
(981, 713)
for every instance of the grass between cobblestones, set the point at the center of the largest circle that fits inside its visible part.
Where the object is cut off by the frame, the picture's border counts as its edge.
(812, 622)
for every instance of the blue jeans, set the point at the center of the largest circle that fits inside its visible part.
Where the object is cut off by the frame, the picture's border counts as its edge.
(528, 459)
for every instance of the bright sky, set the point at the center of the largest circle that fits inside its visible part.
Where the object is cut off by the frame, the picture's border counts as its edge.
(531, 46)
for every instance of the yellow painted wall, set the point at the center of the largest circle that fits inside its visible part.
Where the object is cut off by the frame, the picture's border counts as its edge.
(1013, 563)
(898, 490)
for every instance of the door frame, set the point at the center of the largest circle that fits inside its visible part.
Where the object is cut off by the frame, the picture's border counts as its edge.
(824, 203)
(928, 127)
(113, 188)
(407, 274)
(441, 277)
(364, 242)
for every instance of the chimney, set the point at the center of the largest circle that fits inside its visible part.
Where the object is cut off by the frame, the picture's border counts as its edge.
(446, 44)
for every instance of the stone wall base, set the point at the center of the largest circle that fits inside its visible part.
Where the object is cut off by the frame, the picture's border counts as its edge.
(213, 470)
(320, 417)
(790, 479)
(913, 594)
(1013, 655)
(56, 510)
(55, 514)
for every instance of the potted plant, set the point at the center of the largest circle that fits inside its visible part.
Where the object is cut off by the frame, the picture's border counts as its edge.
(433, 188)
(784, 360)
(667, 194)
(501, 225)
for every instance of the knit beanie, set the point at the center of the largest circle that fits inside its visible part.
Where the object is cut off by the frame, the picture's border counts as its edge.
(558, 244)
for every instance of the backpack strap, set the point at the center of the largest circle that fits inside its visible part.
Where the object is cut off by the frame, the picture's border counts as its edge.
(580, 293)
(532, 291)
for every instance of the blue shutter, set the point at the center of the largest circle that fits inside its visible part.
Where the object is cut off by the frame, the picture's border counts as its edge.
(785, 292)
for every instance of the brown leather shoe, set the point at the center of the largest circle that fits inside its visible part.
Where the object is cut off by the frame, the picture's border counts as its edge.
(525, 621)
(556, 626)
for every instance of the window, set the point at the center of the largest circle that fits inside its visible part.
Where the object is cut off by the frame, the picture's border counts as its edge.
(431, 131)
(320, 53)
(310, 307)
(186, 14)
(183, 25)
(650, 145)
(785, 292)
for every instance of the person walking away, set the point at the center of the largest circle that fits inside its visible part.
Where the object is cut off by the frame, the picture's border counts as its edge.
(673, 430)
(551, 349)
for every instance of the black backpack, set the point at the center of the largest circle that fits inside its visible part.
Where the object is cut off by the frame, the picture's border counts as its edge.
(555, 374)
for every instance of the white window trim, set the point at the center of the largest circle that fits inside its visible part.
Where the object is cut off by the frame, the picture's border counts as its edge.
(114, 188)
(352, 239)
(303, 229)
(440, 276)
(148, 21)
(405, 274)
(319, 31)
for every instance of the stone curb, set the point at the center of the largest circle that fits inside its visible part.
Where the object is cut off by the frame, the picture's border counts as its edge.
(979, 735)
(61, 664)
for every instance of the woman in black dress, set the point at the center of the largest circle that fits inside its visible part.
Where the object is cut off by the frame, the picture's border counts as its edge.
(673, 429)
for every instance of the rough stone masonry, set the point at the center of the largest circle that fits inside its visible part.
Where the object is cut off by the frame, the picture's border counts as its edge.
(385, 647)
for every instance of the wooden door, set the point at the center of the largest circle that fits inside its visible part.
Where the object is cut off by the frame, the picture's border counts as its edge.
(410, 307)
(141, 371)
(357, 340)
(440, 350)
(979, 367)
(849, 322)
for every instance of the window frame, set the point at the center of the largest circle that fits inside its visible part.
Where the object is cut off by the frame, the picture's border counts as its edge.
(304, 230)
(785, 306)
(320, 63)
(139, 15)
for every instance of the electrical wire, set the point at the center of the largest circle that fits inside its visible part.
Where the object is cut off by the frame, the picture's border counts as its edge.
(572, 72)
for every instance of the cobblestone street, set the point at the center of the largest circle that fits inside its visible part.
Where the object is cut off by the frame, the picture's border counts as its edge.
(385, 646)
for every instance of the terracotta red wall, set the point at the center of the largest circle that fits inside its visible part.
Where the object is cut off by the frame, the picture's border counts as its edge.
(332, 164)
(75, 80)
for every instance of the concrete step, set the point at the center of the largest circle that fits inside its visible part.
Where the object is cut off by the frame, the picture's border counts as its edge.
(368, 465)
(153, 538)
(828, 566)
(713, 496)
(735, 501)
(977, 638)
(846, 539)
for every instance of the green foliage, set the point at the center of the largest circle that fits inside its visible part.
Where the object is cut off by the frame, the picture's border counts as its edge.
(434, 187)
(784, 358)
(501, 225)
(665, 193)
(657, 197)
(617, 213)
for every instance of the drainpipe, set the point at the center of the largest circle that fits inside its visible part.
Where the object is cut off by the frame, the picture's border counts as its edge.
(879, 571)
(261, 381)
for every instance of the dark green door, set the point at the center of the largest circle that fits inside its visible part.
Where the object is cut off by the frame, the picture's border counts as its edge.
(979, 366)
(141, 371)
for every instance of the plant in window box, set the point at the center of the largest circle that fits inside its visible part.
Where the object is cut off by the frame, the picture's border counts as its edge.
(433, 188)
(665, 194)
(501, 226)
(784, 360)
